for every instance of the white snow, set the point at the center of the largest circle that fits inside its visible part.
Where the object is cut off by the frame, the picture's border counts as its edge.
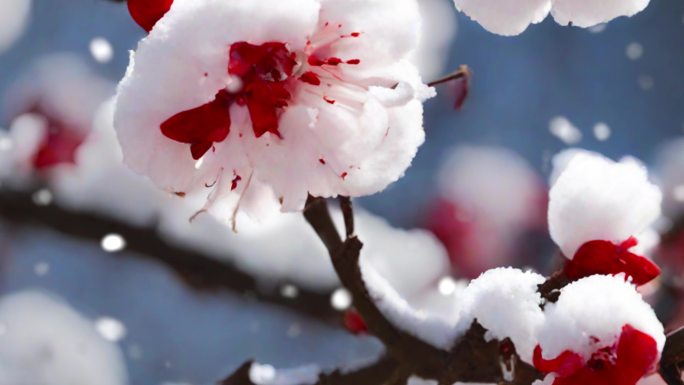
(112, 243)
(46, 342)
(505, 301)
(670, 172)
(261, 374)
(101, 50)
(564, 130)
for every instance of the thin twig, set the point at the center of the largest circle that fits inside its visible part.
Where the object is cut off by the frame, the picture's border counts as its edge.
(462, 72)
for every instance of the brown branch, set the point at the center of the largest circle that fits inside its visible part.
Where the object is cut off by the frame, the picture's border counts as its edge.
(199, 271)
(240, 376)
(377, 373)
(673, 357)
(348, 215)
(550, 289)
(473, 359)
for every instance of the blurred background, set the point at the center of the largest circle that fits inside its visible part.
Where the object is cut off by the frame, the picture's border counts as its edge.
(155, 307)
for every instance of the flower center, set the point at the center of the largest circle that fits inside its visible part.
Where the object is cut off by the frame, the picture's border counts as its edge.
(266, 75)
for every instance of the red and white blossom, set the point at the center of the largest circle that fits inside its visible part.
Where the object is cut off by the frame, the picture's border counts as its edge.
(482, 219)
(599, 332)
(598, 209)
(53, 105)
(275, 99)
(512, 17)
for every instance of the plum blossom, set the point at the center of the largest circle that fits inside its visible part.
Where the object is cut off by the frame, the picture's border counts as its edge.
(482, 218)
(287, 99)
(599, 332)
(512, 17)
(514, 290)
(53, 106)
(598, 209)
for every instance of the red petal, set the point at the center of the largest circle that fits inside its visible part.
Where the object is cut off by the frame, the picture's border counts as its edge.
(604, 257)
(58, 146)
(201, 127)
(263, 101)
(637, 355)
(147, 12)
(462, 87)
(565, 364)
(354, 322)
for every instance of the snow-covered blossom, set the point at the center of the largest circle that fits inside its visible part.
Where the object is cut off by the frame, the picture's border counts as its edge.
(44, 341)
(287, 99)
(599, 332)
(670, 172)
(13, 21)
(506, 302)
(597, 210)
(98, 181)
(512, 17)
(489, 199)
(53, 104)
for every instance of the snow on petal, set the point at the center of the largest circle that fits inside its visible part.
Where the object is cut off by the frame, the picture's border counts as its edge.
(283, 96)
(510, 17)
(100, 183)
(506, 302)
(46, 342)
(507, 17)
(14, 19)
(670, 172)
(595, 198)
(588, 13)
(595, 308)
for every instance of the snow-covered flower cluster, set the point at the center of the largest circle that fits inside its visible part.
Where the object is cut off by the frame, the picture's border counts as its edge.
(512, 17)
(597, 329)
(600, 331)
(482, 219)
(287, 99)
(599, 210)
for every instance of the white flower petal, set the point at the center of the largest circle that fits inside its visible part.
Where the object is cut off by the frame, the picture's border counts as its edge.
(505, 17)
(588, 13)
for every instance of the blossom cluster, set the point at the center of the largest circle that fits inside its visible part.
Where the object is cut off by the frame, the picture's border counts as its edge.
(293, 98)
(598, 329)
